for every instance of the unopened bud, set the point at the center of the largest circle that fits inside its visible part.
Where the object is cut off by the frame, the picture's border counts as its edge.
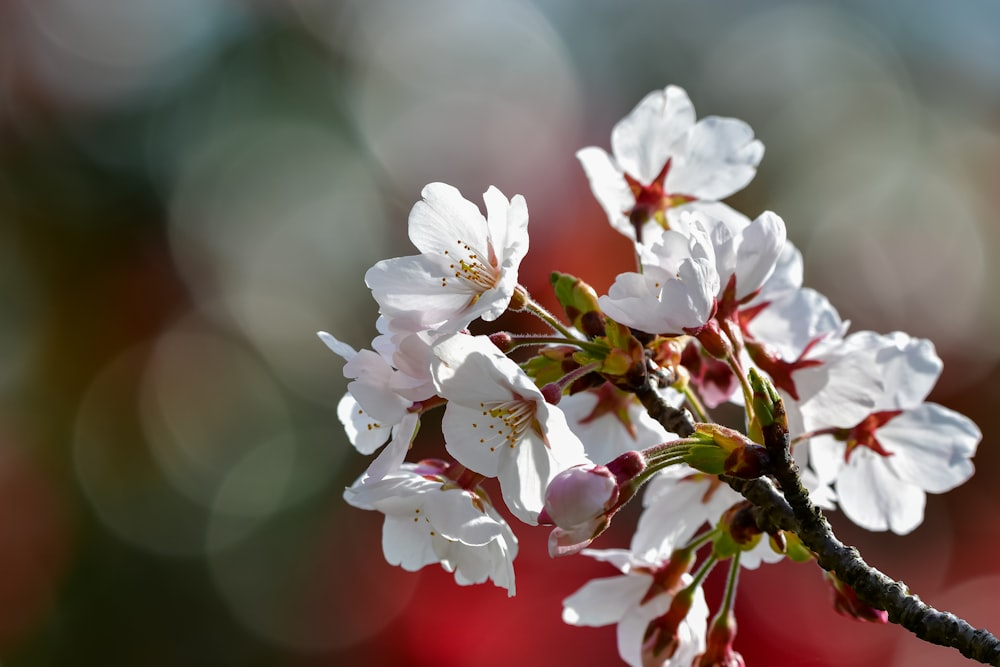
(627, 466)
(662, 637)
(719, 651)
(578, 495)
(502, 340)
(714, 341)
(552, 393)
(767, 404)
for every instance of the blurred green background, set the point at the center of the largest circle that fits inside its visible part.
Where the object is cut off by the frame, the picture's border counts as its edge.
(189, 189)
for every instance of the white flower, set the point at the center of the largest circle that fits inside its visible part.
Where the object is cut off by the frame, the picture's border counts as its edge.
(700, 264)
(498, 424)
(883, 464)
(467, 267)
(428, 519)
(677, 502)
(747, 257)
(611, 422)
(372, 411)
(662, 159)
(676, 291)
(633, 600)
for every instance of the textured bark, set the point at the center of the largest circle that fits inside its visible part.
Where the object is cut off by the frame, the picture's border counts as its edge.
(789, 508)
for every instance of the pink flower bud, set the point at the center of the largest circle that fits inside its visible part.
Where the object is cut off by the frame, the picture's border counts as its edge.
(719, 651)
(580, 494)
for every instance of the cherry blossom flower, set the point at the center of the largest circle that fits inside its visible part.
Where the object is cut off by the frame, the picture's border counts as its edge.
(611, 422)
(746, 258)
(372, 411)
(498, 423)
(643, 592)
(679, 501)
(468, 264)
(676, 291)
(693, 270)
(430, 519)
(883, 464)
(662, 161)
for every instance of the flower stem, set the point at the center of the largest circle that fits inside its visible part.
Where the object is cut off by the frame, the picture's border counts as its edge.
(539, 311)
(703, 570)
(731, 581)
(696, 405)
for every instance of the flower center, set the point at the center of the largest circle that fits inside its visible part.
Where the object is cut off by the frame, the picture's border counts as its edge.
(507, 422)
(651, 200)
(863, 435)
(472, 268)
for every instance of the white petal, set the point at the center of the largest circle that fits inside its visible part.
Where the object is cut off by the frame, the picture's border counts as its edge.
(605, 437)
(392, 456)
(366, 434)
(762, 553)
(623, 559)
(795, 319)
(609, 187)
(643, 140)
(874, 498)
(677, 502)
(407, 543)
(471, 370)
(839, 393)
(469, 438)
(340, 348)
(787, 274)
(762, 243)
(422, 289)
(605, 601)
(932, 447)
(456, 517)
(826, 457)
(445, 221)
(691, 631)
(692, 296)
(508, 224)
(526, 469)
(909, 367)
(656, 303)
(719, 156)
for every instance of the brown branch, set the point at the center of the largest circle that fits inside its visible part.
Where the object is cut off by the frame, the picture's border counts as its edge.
(674, 420)
(792, 510)
(871, 585)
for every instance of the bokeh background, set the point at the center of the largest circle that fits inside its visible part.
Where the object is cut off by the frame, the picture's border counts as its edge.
(190, 189)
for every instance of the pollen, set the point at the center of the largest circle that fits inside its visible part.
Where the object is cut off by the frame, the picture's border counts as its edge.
(477, 271)
(512, 419)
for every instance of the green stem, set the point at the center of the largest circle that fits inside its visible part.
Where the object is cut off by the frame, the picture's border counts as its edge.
(526, 340)
(731, 581)
(696, 405)
(702, 572)
(700, 541)
(539, 311)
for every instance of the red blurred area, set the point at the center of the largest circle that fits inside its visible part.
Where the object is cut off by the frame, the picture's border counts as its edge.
(35, 541)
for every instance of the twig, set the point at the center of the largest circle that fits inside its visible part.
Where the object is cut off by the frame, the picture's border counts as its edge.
(792, 510)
